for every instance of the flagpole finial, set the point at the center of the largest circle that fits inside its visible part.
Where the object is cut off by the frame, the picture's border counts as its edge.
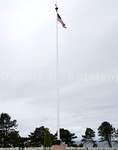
(56, 7)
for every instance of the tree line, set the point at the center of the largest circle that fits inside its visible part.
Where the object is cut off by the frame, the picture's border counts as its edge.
(41, 136)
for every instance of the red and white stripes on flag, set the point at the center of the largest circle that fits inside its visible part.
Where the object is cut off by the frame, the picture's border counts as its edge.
(60, 20)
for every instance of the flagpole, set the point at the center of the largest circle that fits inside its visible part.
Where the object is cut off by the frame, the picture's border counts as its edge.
(57, 72)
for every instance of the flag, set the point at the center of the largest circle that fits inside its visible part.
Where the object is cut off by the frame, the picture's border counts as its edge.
(60, 20)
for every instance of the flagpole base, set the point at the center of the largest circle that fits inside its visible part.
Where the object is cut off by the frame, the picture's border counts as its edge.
(58, 147)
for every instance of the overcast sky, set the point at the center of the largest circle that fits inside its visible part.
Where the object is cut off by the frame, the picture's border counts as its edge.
(87, 59)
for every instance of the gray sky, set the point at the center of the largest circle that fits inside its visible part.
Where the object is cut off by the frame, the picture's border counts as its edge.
(88, 59)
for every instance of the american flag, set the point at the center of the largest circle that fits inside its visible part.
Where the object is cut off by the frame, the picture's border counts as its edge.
(60, 20)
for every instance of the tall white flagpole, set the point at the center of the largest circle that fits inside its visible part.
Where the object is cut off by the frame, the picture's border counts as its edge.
(57, 73)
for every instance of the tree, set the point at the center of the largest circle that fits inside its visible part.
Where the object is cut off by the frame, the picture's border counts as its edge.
(80, 145)
(47, 139)
(67, 137)
(106, 132)
(36, 138)
(23, 142)
(53, 139)
(116, 136)
(89, 136)
(14, 138)
(7, 127)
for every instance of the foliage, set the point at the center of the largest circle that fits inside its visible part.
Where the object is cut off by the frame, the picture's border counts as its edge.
(115, 136)
(89, 136)
(23, 142)
(47, 139)
(53, 138)
(80, 145)
(67, 137)
(14, 138)
(106, 132)
(7, 130)
(41, 136)
(36, 138)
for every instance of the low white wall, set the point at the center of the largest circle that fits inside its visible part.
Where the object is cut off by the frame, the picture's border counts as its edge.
(67, 148)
